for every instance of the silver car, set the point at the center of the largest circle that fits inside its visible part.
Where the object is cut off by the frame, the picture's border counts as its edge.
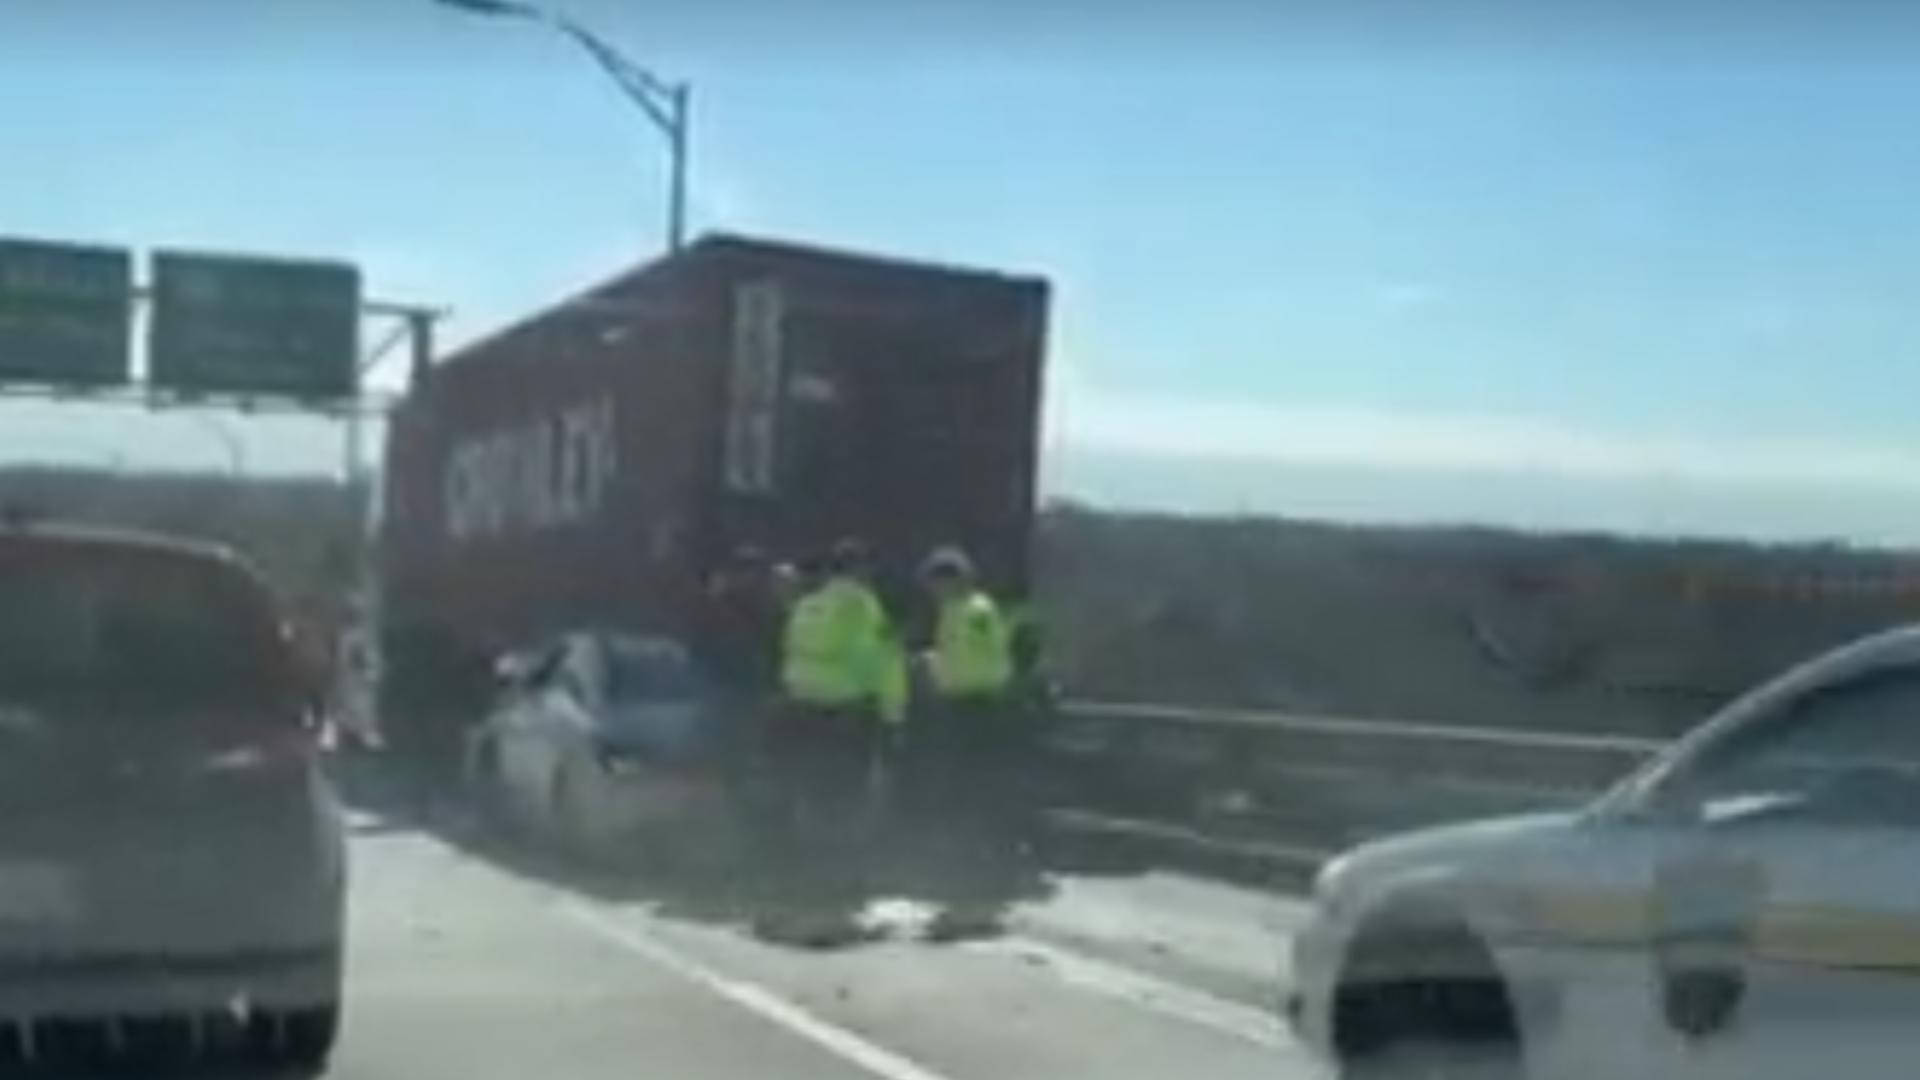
(606, 744)
(1748, 906)
(171, 858)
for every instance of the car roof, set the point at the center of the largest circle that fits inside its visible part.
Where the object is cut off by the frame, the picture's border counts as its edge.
(1898, 646)
(1893, 647)
(650, 645)
(38, 537)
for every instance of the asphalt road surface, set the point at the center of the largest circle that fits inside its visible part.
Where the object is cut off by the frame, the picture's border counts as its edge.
(468, 962)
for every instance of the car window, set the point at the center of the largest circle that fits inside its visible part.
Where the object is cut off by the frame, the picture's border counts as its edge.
(1850, 735)
(96, 627)
(650, 671)
(575, 673)
(533, 670)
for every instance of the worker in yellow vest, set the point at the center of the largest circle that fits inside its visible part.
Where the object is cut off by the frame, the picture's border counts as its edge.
(967, 759)
(834, 673)
(971, 662)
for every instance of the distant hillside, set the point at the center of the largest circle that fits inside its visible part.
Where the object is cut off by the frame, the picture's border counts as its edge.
(1469, 626)
(1447, 625)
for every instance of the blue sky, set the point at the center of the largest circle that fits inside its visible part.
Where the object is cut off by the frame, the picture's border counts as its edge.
(1623, 253)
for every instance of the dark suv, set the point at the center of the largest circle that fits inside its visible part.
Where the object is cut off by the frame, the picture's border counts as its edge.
(171, 859)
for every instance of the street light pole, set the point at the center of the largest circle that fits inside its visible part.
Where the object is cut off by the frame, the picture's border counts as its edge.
(680, 111)
(668, 105)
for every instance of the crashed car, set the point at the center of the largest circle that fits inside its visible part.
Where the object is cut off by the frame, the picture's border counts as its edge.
(609, 745)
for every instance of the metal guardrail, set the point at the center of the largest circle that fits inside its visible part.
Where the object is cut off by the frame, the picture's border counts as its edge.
(1317, 781)
(1241, 739)
(1363, 729)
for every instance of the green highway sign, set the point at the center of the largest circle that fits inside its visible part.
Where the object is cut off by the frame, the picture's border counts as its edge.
(65, 314)
(225, 324)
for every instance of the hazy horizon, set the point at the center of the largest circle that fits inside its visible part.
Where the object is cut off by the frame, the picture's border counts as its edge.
(1636, 507)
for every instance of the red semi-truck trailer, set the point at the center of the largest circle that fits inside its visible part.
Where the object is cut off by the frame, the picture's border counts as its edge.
(590, 465)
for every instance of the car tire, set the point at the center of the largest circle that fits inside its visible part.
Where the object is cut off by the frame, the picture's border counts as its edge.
(295, 1042)
(721, 845)
(487, 788)
(307, 1037)
(1458, 1027)
(569, 816)
(1430, 1062)
(298, 1042)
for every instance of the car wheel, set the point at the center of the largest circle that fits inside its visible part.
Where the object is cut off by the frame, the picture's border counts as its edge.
(1430, 1004)
(296, 1042)
(487, 787)
(570, 812)
(1432, 1061)
(307, 1036)
(720, 844)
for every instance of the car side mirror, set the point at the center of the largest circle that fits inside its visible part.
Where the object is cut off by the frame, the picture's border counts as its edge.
(1866, 797)
(1734, 811)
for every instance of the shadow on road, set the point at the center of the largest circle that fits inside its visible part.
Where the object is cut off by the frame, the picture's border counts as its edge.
(386, 800)
(722, 892)
(667, 879)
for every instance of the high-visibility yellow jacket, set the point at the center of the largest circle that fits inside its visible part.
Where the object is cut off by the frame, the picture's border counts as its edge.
(834, 648)
(972, 647)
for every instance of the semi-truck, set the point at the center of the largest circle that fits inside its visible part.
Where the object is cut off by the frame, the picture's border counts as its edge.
(592, 464)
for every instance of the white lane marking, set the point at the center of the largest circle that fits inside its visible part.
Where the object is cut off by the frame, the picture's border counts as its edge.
(756, 999)
(1150, 992)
